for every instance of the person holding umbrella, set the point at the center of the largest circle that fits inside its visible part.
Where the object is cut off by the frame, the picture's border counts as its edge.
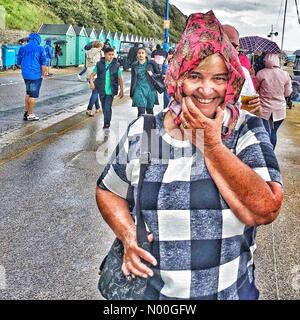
(58, 52)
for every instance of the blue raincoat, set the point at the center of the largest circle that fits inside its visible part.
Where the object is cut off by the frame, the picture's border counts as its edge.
(31, 57)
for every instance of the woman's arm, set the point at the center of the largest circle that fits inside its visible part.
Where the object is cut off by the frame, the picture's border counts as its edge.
(288, 89)
(91, 80)
(115, 212)
(132, 82)
(121, 83)
(253, 200)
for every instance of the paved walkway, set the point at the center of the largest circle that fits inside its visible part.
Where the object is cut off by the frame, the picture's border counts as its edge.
(278, 244)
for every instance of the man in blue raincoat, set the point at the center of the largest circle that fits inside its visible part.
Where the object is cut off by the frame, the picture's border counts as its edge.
(33, 62)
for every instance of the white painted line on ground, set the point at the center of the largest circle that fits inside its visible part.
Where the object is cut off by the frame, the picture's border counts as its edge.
(10, 83)
(48, 78)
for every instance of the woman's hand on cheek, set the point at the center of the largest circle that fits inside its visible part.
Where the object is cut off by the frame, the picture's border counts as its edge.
(199, 129)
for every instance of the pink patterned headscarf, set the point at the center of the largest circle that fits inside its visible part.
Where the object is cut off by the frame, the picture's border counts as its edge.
(204, 36)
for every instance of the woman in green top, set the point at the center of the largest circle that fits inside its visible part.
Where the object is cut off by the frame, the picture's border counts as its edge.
(142, 92)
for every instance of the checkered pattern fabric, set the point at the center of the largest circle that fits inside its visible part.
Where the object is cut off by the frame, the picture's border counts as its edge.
(203, 250)
(259, 44)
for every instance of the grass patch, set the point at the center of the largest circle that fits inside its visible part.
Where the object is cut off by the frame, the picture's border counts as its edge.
(24, 15)
(128, 16)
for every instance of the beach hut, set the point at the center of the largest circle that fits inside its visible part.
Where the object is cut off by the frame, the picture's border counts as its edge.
(102, 35)
(116, 41)
(135, 38)
(66, 33)
(130, 38)
(91, 34)
(97, 32)
(127, 37)
(122, 37)
(81, 40)
(109, 37)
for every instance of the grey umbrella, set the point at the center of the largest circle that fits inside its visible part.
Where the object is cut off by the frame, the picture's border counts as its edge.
(23, 40)
(52, 38)
(60, 41)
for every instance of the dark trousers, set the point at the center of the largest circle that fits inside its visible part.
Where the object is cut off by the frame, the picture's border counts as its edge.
(106, 103)
(272, 128)
(143, 110)
(166, 99)
(83, 71)
(94, 100)
(56, 61)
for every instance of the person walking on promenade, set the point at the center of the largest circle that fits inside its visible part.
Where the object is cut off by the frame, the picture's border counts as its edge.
(92, 57)
(212, 179)
(258, 63)
(49, 55)
(57, 53)
(164, 71)
(106, 44)
(143, 94)
(87, 47)
(273, 85)
(109, 79)
(132, 55)
(159, 55)
(33, 62)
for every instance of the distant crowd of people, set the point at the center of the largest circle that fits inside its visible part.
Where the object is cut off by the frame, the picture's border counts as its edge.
(104, 74)
(265, 82)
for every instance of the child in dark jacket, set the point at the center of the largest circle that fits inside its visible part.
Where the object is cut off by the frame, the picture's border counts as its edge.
(107, 83)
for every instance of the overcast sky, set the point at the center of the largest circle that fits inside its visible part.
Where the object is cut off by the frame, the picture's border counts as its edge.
(251, 17)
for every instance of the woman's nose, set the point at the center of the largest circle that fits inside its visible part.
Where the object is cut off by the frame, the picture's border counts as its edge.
(206, 88)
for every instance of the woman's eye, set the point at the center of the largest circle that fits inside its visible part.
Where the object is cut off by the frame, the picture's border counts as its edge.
(221, 79)
(194, 76)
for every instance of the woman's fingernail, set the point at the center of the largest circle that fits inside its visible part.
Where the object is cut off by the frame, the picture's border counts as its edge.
(145, 276)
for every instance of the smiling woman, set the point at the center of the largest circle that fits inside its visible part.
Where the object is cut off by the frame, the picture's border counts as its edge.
(199, 200)
(207, 84)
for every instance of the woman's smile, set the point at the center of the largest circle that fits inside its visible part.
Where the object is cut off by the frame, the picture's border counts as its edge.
(205, 101)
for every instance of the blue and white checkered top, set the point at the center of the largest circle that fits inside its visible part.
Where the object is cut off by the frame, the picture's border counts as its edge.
(203, 250)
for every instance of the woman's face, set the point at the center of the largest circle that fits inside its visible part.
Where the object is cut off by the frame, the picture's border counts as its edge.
(207, 84)
(141, 54)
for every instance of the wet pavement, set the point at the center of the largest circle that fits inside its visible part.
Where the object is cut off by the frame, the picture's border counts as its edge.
(278, 244)
(51, 233)
(58, 94)
(53, 238)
